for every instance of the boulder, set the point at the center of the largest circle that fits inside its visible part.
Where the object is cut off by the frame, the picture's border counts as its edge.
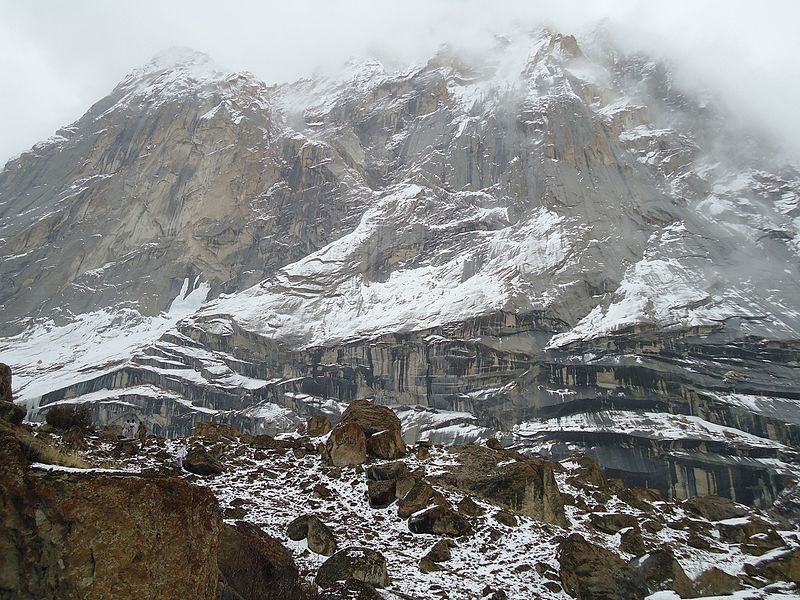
(347, 445)
(320, 537)
(200, 462)
(426, 565)
(440, 552)
(588, 472)
(251, 562)
(716, 582)
(97, 535)
(267, 442)
(387, 471)
(612, 523)
(589, 572)
(783, 566)
(318, 425)
(417, 498)
(527, 487)
(494, 444)
(381, 493)
(439, 520)
(659, 571)
(361, 564)
(714, 508)
(755, 535)
(351, 589)
(379, 422)
(470, 508)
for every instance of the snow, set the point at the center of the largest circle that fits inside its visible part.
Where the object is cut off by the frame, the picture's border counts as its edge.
(50, 356)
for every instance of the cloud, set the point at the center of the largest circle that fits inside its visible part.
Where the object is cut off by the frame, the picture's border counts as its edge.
(57, 58)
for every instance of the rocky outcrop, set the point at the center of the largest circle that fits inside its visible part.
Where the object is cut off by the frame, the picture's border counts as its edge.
(319, 536)
(255, 565)
(200, 462)
(361, 564)
(380, 425)
(526, 486)
(5, 383)
(94, 535)
(589, 572)
(346, 445)
(439, 520)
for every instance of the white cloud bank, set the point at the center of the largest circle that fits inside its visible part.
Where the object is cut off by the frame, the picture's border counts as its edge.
(57, 58)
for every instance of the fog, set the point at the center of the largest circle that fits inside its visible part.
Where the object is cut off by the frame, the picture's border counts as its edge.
(58, 58)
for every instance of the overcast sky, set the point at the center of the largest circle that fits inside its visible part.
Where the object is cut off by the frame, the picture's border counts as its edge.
(57, 57)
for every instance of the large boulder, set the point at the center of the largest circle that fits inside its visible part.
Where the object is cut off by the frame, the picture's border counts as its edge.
(714, 508)
(200, 462)
(659, 570)
(255, 565)
(716, 582)
(527, 486)
(95, 535)
(378, 422)
(439, 520)
(589, 572)
(346, 445)
(361, 564)
(381, 493)
(387, 471)
(418, 497)
(320, 537)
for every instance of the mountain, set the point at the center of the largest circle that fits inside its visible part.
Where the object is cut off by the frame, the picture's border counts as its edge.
(553, 242)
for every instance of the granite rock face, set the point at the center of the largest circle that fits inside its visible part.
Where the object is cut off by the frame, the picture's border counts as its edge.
(554, 248)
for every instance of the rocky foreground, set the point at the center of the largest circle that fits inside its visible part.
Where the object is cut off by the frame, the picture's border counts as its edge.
(361, 515)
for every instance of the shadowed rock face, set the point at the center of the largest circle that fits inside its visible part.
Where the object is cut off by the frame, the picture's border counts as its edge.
(562, 251)
(91, 535)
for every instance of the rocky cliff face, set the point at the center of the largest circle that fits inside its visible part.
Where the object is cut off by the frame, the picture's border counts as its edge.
(554, 241)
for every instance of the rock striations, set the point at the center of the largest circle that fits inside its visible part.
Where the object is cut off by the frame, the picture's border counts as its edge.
(547, 244)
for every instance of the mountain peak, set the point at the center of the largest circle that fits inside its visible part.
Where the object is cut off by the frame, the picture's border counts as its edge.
(181, 57)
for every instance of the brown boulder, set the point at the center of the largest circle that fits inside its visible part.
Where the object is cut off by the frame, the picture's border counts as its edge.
(381, 493)
(612, 523)
(360, 564)
(347, 445)
(439, 520)
(200, 462)
(660, 571)
(714, 508)
(318, 425)
(13, 413)
(589, 572)
(417, 498)
(716, 582)
(377, 422)
(91, 535)
(255, 565)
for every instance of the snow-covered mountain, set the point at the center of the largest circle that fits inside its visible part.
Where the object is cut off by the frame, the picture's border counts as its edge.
(554, 242)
